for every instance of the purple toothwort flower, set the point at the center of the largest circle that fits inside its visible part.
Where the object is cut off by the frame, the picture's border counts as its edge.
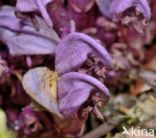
(67, 93)
(35, 5)
(75, 49)
(135, 12)
(19, 34)
(75, 88)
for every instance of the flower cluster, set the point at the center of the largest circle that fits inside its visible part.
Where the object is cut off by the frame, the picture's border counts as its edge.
(87, 44)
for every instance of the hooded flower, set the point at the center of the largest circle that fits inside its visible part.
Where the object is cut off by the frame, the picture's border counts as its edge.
(35, 5)
(68, 60)
(64, 92)
(22, 37)
(135, 12)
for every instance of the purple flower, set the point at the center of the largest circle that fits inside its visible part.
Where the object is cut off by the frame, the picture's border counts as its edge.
(19, 34)
(66, 93)
(35, 5)
(135, 12)
(75, 49)
(68, 59)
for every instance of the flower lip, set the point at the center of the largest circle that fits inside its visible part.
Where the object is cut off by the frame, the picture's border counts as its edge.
(75, 88)
(87, 79)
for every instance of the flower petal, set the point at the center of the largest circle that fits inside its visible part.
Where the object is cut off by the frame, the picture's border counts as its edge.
(126, 11)
(119, 6)
(74, 89)
(21, 36)
(7, 17)
(41, 84)
(74, 49)
(35, 5)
